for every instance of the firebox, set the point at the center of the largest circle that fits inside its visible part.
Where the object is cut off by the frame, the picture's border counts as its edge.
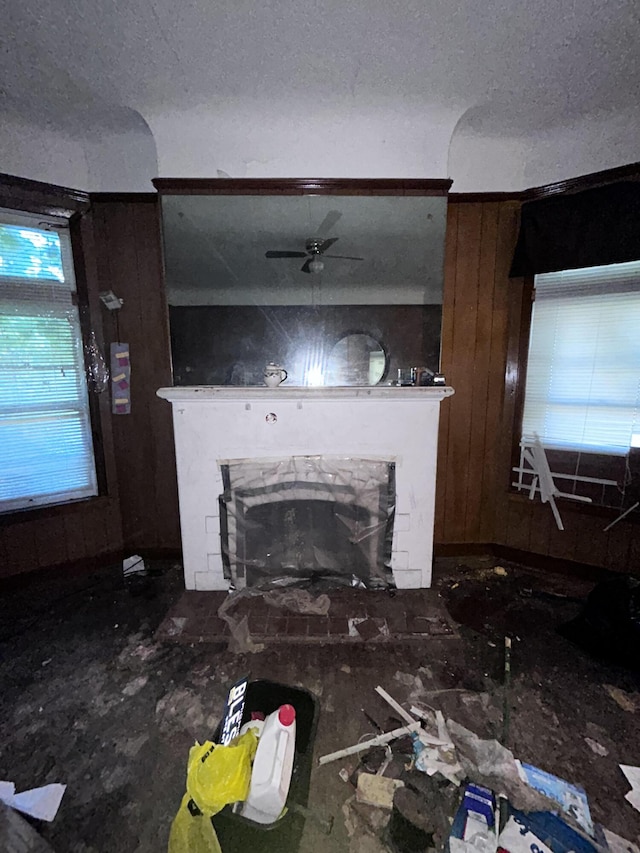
(307, 517)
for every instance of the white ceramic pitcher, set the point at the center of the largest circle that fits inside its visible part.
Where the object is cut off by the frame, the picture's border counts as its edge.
(274, 374)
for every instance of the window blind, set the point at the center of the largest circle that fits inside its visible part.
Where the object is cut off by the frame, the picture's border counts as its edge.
(583, 373)
(46, 449)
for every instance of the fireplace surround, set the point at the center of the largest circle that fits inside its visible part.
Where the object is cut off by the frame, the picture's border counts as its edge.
(219, 426)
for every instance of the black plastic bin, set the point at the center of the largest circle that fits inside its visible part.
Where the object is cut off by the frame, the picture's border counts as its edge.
(239, 835)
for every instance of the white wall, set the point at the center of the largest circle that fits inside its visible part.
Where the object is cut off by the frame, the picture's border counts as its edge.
(304, 139)
(301, 139)
(41, 154)
(98, 158)
(590, 145)
(482, 162)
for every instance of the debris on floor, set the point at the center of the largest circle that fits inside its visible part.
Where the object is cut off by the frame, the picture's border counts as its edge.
(490, 799)
(120, 743)
(596, 748)
(633, 778)
(42, 803)
(377, 790)
(625, 700)
(299, 601)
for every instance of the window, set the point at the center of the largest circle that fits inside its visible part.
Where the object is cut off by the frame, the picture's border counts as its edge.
(583, 374)
(46, 450)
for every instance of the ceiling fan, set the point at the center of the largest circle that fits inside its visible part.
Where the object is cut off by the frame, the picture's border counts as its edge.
(316, 247)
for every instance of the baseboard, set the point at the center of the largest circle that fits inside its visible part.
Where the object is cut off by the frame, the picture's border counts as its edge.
(60, 571)
(557, 565)
(76, 568)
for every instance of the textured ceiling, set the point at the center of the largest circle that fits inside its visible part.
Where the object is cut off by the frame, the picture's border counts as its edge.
(502, 67)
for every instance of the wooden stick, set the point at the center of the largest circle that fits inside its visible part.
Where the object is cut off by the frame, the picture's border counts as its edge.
(406, 716)
(379, 740)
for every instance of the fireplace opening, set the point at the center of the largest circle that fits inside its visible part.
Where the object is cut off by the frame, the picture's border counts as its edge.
(308, 518)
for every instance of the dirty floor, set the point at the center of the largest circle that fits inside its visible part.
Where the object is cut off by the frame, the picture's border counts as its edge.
(91, 697)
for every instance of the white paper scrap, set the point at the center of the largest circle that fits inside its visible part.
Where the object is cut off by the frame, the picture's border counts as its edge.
(633, 777)
(42, 803)
(633, 797)
(7, 790)
(632, 773)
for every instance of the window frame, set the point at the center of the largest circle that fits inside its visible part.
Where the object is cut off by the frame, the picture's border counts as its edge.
(35, 198)
(521, 314)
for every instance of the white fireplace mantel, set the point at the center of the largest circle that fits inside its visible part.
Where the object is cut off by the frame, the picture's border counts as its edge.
(214, 423)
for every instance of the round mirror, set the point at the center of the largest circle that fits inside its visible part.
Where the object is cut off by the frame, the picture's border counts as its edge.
(357, 359)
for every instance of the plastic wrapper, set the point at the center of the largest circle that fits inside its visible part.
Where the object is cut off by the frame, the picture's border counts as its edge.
(97, 370)
(308, 517)
(216, 776)
(293, 598)
(192, 833)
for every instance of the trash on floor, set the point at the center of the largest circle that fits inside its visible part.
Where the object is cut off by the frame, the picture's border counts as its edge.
(571, 798)
(250, 777)
(633, 777)
(299, 601)
(596, 748)
(241, 641)
(544, 832)
(378, 740)
(464, 794)
(133, 566)
(42, 803)
(375, 790)
(626, 701)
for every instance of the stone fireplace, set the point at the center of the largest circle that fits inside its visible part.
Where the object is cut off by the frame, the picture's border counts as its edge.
(263, 472)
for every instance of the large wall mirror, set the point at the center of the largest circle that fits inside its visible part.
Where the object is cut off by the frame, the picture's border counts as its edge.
(338, 288)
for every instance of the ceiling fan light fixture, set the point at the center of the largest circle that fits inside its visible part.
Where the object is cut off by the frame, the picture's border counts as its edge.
(316, 266)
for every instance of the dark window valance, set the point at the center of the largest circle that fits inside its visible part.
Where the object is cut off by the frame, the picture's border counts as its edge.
(587, 229)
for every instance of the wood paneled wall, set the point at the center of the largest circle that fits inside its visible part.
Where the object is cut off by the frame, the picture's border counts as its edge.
(129, 261)
(473, 504)
(480, 238)
(482, 317)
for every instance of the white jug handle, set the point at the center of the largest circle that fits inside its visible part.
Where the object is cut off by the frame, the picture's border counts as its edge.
(285, 374)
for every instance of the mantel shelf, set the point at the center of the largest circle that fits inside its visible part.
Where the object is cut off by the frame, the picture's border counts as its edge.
(204, 393)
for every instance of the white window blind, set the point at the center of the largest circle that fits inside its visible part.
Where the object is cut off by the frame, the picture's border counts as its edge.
(46, 450)
(583, 374)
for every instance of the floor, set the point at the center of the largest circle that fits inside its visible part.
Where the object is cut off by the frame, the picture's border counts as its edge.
(93, 695)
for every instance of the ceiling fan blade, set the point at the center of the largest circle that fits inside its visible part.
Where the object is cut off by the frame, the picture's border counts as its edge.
(328, 222)
(345, 257)
(326, 244)
(285, 254)
(305, 266)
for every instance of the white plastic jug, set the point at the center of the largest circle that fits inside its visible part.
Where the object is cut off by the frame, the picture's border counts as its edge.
(272, 767)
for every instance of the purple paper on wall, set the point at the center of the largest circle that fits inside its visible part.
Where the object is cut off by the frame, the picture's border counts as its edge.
(120, 379)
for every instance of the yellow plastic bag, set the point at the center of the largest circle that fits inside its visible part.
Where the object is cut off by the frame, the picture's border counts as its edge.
(192, 833)
(216, 775)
